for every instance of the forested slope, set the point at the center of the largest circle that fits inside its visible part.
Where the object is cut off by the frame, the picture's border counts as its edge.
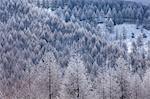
(48, 55)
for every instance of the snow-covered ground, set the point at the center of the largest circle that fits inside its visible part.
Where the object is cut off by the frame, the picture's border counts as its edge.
(129, 30)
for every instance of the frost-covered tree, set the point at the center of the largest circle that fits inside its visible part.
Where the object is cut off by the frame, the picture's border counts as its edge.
(137, 24)
(123, 77)
(140, 41)
(112, 87)
(83, 17)
(47, 83)
(109, 14)
(148, 50)
(124, 33)
(146, 84)
(110, 25)
(38, 3)
(117, 34)
(75, 80)
(100, 83)
(54, 4)
(136, 87)
(67, 16)
(72, 18)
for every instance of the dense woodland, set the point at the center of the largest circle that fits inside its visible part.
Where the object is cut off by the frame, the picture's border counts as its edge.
(54, 49)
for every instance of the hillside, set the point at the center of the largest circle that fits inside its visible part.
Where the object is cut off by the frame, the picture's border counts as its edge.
(74, 49)
(132, 34)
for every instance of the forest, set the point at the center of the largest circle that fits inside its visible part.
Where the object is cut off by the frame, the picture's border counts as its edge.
(74, 49)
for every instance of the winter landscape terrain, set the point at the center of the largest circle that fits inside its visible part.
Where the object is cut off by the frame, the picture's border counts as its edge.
(74, 49)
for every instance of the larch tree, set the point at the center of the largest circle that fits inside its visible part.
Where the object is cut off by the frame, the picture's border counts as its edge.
(38, 3)
(139, 41)
(112, 87)
(47, 83)
(75, 80)
(110, 25)
(29, 76)
(136, 87)
(146, 84)
(67, 16)
(123, 77)
(101, 84)
(148, 50)
(117, 34)
(124, 33)
(148, 55)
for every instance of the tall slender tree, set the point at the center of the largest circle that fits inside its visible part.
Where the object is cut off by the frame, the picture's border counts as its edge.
(47, 82)
(146, 84)
(123, 76)
(75, 80)
(136, 87)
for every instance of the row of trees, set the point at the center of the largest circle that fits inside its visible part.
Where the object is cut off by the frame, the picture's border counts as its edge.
(46, 81)
(119, 11)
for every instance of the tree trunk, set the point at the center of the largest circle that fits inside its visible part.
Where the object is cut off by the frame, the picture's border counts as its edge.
(78, 90)
(50, 94)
